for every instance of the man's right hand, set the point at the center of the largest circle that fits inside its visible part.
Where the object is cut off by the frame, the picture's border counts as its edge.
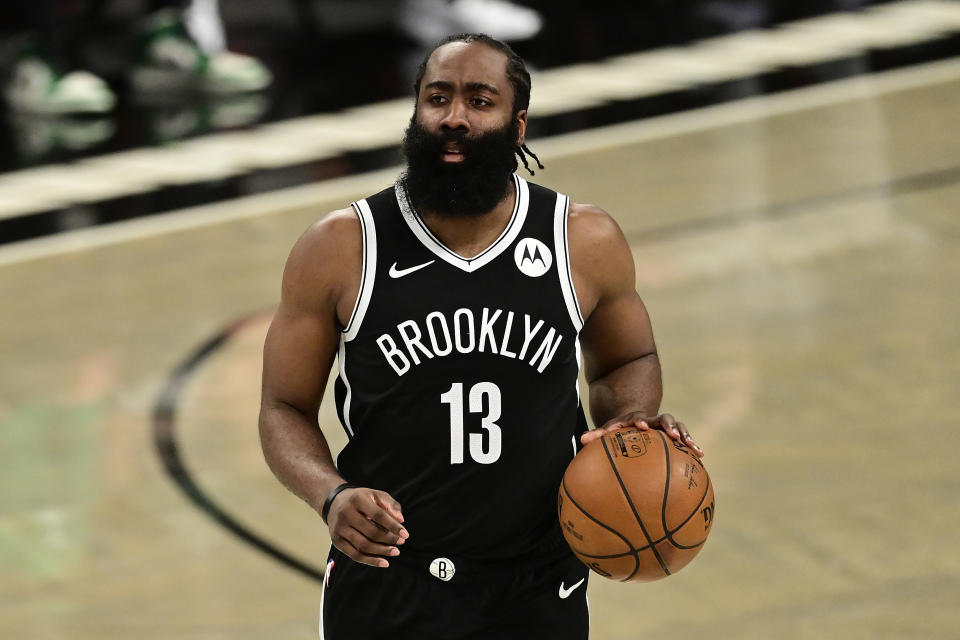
(367, 525)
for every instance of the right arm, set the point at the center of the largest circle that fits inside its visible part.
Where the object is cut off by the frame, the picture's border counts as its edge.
(320, 286)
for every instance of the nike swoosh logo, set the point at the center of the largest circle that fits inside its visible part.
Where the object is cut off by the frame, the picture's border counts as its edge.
(399, 273)
(565, 593)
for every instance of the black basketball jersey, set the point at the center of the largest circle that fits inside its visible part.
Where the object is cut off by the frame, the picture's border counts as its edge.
(458, 377)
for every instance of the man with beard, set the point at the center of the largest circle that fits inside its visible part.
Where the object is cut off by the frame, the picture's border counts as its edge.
(456, 303)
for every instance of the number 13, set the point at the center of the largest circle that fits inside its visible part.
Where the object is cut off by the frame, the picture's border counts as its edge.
(454, 397)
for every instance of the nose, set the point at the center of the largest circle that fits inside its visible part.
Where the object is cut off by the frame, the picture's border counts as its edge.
(455, 118)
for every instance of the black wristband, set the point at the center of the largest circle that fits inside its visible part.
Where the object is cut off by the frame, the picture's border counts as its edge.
(333, 494)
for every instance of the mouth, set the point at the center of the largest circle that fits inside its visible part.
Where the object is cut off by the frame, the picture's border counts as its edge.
(452, 153)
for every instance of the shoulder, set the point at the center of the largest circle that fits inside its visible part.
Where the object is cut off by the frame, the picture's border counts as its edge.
(588, 222)
(325, 258)
(596, 239)
(328, 232)
(600, 256)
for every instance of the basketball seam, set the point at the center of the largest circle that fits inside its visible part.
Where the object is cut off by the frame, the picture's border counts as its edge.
(644, 548)
(626, 494)
(668, 532)
(666, 488)
(693, 513)
(633, 552)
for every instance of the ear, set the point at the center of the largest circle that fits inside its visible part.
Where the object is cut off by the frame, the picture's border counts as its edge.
(521, 126)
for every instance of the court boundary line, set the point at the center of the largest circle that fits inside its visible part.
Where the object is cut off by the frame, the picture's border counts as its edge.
(587, 141)
(168, 451)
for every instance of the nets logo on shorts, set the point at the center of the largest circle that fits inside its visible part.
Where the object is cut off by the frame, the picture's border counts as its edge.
(533, 258)
(442, 569)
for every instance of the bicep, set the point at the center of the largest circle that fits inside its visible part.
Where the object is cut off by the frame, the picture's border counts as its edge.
(304, 335)
(297, 356)
(617, 327)
(618, 332)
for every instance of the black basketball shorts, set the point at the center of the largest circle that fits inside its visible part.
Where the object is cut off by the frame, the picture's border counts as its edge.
(423, 598)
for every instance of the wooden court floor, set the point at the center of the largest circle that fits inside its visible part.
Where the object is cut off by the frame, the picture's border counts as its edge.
(800, 256)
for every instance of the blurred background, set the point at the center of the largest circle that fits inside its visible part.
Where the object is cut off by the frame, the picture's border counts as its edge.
(88, 82)
(788, 176)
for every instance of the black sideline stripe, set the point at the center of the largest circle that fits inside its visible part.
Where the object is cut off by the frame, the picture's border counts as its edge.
(164, 432)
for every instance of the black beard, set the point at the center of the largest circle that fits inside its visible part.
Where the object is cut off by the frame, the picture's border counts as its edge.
(469, 188)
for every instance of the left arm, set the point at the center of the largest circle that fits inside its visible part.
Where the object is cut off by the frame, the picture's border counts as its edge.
(621, 363)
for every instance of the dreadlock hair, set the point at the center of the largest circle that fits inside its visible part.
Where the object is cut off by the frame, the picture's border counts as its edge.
(517, 74)
(523, 151)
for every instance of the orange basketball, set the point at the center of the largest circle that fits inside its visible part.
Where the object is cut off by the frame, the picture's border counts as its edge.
(636, 506)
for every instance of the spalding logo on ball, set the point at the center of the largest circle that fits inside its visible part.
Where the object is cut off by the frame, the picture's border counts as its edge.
(636, 506)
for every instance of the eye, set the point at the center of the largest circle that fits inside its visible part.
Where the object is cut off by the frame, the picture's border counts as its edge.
(437, 98)
(480, 102)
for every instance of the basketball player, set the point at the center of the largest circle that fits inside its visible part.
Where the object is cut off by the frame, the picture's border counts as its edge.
(456, 303)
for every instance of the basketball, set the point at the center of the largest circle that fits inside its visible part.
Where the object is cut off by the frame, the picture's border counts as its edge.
(635, 506)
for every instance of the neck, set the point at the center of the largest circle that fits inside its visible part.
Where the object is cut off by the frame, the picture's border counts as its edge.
(469, 236)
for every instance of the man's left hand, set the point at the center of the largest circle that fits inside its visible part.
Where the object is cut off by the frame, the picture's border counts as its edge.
(665, 422)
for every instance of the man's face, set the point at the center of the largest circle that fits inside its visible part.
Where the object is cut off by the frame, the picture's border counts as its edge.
(461, 141)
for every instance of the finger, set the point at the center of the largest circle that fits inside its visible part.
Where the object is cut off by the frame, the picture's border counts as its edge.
(668, 424)
(389, 516)
(598, 433)
(634, 419)
(689, 441)
(364, 544)
(364, 514)
(354, 554)
(355, 545)
(386, 501)
(615, 425)
(383, 528)
(590, 436)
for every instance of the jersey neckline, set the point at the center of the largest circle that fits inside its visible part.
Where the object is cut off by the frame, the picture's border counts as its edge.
(419, 229)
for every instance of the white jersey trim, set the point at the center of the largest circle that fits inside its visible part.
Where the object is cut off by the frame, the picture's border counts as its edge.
(367, 279)
(369, 269)
(561, 237)
(576, 383)
(497, 247)
(348, 396)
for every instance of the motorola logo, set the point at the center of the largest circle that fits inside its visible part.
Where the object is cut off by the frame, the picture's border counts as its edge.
(533, 258)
